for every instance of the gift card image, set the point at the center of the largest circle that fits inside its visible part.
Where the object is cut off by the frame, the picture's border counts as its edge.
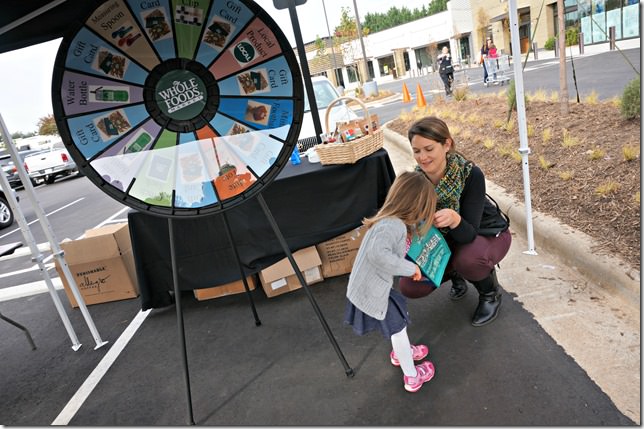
(257, 112)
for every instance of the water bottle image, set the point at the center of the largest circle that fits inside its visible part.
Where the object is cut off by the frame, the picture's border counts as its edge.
(295, 156)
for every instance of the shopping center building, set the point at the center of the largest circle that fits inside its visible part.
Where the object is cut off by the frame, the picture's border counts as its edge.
(409, 49)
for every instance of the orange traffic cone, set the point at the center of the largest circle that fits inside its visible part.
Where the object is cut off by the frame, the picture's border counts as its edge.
(420, 98)
(406, 96)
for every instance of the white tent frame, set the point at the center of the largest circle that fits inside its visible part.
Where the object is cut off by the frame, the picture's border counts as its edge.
(53, 242)
(524, 150)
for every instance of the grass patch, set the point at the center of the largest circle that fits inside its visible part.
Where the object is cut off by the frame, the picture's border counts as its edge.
(592, 98)
(565, 175)
(505, 151)
(530, 130)
(460, 93)
(544, 163)
(596, 153)
(546, 135)
(488, 143)
(568, 139)
(539, 95)
(554, 96)
(607, 188)
(630, 153)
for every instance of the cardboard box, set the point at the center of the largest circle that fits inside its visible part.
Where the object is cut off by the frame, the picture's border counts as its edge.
(339, 253)
(280, 278)
(102, 264)
(224, 290)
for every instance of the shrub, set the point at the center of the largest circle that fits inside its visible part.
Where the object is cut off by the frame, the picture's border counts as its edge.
(511, 95)
(550, 44)
(572, 36)
(630, 106)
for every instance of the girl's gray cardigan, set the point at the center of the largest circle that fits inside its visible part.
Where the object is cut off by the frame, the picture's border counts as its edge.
(381, 256)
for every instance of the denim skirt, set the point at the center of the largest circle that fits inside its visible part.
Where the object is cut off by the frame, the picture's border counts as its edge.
(395, 320)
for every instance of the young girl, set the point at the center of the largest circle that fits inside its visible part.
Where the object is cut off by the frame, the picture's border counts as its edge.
(372, 302)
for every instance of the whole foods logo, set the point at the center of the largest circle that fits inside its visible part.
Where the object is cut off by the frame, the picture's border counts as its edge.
(181, 94)
(244, 52)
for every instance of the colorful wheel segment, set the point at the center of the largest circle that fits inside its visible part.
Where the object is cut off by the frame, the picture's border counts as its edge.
(180, 108)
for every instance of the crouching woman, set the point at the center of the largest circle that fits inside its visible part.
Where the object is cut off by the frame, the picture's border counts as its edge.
(476, 231)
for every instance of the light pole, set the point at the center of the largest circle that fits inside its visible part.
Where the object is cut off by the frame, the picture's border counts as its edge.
(335, 65)
(364, 53)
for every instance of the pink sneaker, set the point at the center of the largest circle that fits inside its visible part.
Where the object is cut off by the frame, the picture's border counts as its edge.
(418, 352)
(425, 372)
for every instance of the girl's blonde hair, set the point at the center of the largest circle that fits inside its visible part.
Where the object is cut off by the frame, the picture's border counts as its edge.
(412, 199)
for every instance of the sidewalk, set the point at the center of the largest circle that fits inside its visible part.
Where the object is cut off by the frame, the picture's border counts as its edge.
(588, 305)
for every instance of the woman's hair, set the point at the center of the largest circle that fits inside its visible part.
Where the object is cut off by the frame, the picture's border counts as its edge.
(411, 199)
(431, 128)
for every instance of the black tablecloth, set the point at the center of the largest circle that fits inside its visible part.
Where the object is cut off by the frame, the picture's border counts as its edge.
(311, 203)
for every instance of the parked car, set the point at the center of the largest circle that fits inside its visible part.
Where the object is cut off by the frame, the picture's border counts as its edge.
(6, 215)
(10, 169)
(50, 163)
(325, 93)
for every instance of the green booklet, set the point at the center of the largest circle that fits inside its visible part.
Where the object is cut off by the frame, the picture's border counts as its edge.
(431, 253)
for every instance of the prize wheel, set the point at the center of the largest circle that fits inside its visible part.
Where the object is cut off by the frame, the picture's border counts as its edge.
(178, 108)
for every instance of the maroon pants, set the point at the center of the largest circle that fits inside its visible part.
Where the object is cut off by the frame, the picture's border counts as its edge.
(473, 261)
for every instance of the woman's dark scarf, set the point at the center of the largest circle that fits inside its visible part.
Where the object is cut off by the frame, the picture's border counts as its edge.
(450, 187)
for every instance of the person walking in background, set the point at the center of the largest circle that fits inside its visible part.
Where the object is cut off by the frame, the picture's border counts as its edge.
(446, 69)
(475, 229)
(484, 52)
(492, 55)
(372, 303)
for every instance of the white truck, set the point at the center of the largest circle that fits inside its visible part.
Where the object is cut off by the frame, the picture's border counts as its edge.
(48, 164)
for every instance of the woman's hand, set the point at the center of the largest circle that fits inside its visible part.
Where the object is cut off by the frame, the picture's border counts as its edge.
(417, 275)
(446, 218)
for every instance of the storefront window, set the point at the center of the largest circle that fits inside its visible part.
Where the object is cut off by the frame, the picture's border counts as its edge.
(352, 73)
(614, 17)
(631, 20)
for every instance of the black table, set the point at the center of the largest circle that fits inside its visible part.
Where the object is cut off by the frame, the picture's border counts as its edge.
(311, 203)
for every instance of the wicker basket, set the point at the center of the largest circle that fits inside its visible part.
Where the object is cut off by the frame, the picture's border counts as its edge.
(350, 152)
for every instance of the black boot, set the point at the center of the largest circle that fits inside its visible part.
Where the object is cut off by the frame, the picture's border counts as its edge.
(489, 300)
(459, 287)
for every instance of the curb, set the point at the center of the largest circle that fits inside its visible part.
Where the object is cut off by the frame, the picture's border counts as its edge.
(571, 246)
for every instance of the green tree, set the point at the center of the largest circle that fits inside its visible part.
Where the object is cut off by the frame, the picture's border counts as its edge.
(47, 125)
(320, 45)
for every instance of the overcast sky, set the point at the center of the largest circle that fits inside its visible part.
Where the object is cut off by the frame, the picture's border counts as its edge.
(25, 74)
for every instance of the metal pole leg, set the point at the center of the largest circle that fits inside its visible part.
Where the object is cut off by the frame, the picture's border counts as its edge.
(241, 270)
(347, 369)
(182, 334)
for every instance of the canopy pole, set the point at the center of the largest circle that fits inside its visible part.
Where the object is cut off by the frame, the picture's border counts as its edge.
(37, 257)
(524, 150)
(49, 233)
(30, 16)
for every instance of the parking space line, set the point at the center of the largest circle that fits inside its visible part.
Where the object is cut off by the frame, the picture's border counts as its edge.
(47, 214)
(101, 369)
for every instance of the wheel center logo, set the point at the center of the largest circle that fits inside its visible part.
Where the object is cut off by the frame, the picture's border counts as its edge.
(180, 94)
